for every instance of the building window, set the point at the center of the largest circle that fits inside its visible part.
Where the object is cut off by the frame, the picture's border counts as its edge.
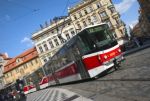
(103, 14)
(69, 24)
(75, 18)
(89, 9)
(31, 63)
(45, 60)
(89, 20)
(21, 71)
(118, 21)
(10, 73)
(112, 9)
(17, 70)
(98, 5)
(84, 23)
(41, 49)
(45, 46)
(56, 42)
(79, 26)
(36, 61)
(7, 75)
(121, 31)
(1, 59)
(114, 34)
(72, 33)
(85, 11)
(62, 40)
(67, 36)
(18, 60)
(25, 66)
(94, 19)
(51, 44)
(80, 14)
(109, 23)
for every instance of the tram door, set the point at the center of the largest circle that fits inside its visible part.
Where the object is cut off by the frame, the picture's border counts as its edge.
(78, 58)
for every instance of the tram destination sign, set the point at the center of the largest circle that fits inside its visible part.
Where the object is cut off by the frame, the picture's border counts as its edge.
(95, 29)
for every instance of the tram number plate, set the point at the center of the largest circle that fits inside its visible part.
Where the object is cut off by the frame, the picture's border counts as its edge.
(112, 54)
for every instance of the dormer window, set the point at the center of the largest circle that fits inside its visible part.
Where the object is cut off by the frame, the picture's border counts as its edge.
(18, 60)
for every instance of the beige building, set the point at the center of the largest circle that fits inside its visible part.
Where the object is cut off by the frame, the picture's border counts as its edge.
(48, 41)
(90, 12)
(87, 12)
(22, 65)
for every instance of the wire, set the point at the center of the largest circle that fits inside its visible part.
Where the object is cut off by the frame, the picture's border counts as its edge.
(67, 3)
(21, 5)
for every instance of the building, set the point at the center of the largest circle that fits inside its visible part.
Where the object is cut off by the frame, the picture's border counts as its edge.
(89, 12)
(86, 12)
(21, 65)
(136, 31)
(144, 18)
(48, 40)
(3, 60)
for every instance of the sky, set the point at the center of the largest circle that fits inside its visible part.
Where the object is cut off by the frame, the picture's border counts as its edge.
(19, 19)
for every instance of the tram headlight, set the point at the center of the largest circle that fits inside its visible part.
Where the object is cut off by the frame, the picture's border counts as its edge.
(119, 50)
(105, 57)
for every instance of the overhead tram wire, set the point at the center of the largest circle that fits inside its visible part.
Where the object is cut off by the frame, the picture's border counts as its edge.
(20, 17)
(59, 34)
(24, 15)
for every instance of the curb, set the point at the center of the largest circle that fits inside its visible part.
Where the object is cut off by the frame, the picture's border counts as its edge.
(136, 49)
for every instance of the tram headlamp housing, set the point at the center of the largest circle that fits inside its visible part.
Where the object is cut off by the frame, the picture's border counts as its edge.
(119, 50)
(105, 57)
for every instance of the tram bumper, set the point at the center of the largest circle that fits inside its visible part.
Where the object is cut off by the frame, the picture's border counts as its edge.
(115, 61)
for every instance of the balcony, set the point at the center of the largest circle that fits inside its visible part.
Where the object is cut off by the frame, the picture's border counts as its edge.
(119, 24)
(115, 14)
(104, 17)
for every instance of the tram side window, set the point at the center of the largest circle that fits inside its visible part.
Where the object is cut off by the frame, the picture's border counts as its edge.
(65, 58)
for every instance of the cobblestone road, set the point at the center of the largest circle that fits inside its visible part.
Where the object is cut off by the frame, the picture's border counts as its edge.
(130, 83)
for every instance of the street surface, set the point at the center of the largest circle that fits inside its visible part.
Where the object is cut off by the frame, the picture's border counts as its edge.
(130, 83)
(55, 94)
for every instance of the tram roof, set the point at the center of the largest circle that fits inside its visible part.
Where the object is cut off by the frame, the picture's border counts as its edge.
(71, 41)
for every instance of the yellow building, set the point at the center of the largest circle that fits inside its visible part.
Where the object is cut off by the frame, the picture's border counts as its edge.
(89, 12)
(22, 65)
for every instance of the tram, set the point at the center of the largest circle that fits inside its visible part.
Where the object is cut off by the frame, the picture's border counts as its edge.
(89, 53)
(32, 80)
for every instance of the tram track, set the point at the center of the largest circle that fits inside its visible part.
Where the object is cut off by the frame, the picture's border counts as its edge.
(147, 79)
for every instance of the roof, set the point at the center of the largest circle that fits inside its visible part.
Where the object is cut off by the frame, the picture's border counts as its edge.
(25, 57)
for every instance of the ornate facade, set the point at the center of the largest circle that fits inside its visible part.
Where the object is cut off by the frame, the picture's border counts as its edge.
(22, 65)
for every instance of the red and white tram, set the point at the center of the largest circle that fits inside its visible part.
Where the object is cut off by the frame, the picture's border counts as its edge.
(88, 54)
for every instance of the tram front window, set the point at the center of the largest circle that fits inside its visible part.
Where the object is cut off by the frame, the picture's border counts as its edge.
(96, 39)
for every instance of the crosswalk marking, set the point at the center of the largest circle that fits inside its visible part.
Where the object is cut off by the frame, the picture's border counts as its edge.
(53, 94)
